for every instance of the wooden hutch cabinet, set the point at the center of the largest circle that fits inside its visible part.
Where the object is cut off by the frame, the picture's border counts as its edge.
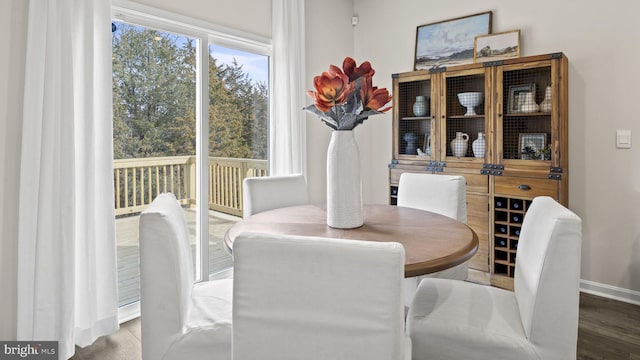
(525, 151)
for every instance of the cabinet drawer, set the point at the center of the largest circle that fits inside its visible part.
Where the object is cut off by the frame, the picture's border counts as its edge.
(477, 183)
(526, 187)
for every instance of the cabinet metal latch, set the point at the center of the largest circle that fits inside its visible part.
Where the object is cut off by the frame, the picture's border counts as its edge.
(436, 166)
(491, 172)
(492, 169)
(555, 173)
(438, 163)
(492, 63)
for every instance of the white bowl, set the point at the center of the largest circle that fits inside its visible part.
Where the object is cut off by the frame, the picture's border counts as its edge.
(470, 100)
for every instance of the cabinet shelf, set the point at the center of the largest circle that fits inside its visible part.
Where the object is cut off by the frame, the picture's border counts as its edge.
(503, 262)
(409, 118)
(535, 114)
(470, 117)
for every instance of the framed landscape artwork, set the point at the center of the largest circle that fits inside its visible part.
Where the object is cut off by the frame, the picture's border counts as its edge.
(504, 45)
(449, 42)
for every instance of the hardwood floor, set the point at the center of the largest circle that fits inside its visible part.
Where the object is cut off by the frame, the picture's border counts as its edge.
(608, 329)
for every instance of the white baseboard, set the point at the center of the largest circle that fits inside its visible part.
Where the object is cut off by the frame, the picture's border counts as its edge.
(611, 292)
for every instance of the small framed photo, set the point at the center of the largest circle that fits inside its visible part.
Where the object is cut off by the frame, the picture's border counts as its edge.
(515, 98)
(449, 42)
(500, 46)
(532, 146)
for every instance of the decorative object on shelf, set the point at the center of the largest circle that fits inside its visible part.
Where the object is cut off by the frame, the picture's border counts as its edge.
(470, 100)
(410, 138)
(528, 104)
(545, 153)
(514, 103)
(420, 106)
(460, 144)
(479, 146)
(545, 105)
(449, 42)
(344, 98)
(427, 144)
(500, 46)
(532, 146)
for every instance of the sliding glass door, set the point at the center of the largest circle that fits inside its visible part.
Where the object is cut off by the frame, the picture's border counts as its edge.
(238, 123)
(190, 118)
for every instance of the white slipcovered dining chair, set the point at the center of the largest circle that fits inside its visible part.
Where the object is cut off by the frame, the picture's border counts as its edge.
(317, 298)
(442, 194)
(538, 320)
(272, 192)
(180, 320)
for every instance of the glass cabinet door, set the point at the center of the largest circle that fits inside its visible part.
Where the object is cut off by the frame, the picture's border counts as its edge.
(465, 114)
(414, 110)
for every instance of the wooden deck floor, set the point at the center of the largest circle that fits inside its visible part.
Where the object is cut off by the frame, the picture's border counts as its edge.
(128, 250)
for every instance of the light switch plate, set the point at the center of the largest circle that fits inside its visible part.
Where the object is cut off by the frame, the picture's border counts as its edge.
(623, 139)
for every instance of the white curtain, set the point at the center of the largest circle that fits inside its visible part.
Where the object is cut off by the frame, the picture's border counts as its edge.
(67, 288)
(287, 139)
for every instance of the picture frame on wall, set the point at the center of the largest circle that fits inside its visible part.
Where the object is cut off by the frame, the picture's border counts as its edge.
(531, 146)
(514, 100)
(449, 42)
(494, 47)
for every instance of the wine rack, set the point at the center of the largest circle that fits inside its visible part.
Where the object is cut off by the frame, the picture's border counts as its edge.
(508, 216)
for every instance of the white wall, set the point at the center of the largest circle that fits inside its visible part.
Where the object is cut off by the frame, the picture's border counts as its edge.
(13, 21)
(329, 39)
(601, 43)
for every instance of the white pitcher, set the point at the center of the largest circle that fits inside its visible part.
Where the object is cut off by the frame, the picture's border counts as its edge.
(460, 144)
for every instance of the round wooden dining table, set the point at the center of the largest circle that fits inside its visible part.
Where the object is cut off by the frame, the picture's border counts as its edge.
(432, 242)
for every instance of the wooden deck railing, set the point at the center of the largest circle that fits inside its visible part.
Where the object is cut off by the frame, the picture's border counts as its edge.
(139, 181)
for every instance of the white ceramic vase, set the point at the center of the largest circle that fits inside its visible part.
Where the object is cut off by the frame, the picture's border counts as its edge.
(460, 144)
(479, 146)
(420, 106)
(545, 105)
(529, 103)
(344, 188)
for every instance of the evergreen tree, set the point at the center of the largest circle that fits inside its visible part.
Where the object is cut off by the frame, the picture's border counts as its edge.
(154, 94)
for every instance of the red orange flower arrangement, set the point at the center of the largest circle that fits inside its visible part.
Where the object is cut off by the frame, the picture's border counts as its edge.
(346, 97)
